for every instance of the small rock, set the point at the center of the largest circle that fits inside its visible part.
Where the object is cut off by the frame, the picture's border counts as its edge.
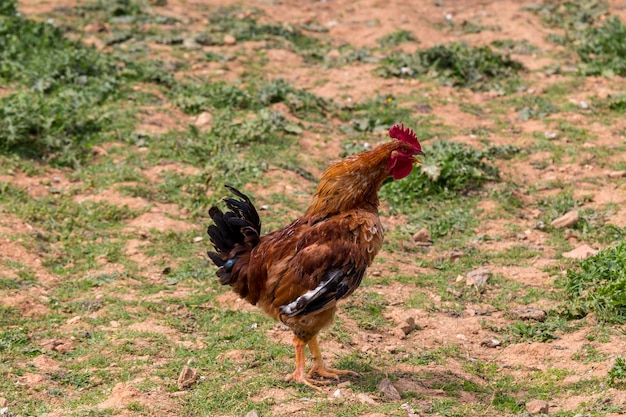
(550, 135)
(198, 239)
(491, 343)
(387, 388)
(568, 219)
(206, 40)
(537, 407)
(63, 348)
(456, 254)
(187, 377)
(581, 252)
(3, 402)
(410, 411)
(365, 399)
(405, 328)
(191, 44)
(527, 313)
(454, 293)
(96, 28)
(252, 413)
(583, 104)
(98, 151)
(4, 412)
(229, 40)
(73, 320)
(617, 174)
(338, 394)
(366, 348)
(422, 236)
(203, 119)
(478, 277)
(333, 54)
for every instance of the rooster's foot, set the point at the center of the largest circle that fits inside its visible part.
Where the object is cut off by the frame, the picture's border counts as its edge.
(300, 378)
(325, 372)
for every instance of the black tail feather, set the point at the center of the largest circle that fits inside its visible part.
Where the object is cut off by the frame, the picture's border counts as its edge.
(217, 260)
(238, 228)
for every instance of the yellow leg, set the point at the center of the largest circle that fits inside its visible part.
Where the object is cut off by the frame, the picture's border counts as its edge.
(318, 364)
(299, 375)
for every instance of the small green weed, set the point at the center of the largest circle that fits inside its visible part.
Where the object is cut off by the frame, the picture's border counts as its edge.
(613, 102)
(603, 49)
(533, 107)
(617, 373)
(569, 15)
(396, 38)
(509, 46)
(196, 97)
(524, 331)
(457, 64)
(474, 26)
(598, 285)
(589, 354)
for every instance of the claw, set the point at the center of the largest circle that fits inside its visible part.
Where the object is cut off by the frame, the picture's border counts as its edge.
(305, 380)
(325, 372)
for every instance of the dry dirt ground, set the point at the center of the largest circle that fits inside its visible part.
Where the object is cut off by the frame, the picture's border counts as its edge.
(359, 23)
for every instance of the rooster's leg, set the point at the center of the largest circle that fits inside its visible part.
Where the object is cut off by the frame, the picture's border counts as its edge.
(299, 374)
(318, 364)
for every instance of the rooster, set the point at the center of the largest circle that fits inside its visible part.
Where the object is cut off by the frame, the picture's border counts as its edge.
(299, 273)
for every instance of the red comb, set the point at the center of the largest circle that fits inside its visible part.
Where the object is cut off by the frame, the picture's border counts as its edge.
(404, 135)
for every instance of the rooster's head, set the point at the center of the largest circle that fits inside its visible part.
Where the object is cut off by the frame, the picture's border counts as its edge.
(402, 158)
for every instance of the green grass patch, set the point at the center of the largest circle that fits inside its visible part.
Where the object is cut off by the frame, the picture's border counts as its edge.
(396, 38)
(231, 21)
(196, 97)
(603, 49)
(456, 64)
(617, 373)
(534, 107)
(367, 310)
(570, 15)
(52, 116)
(598, 285)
